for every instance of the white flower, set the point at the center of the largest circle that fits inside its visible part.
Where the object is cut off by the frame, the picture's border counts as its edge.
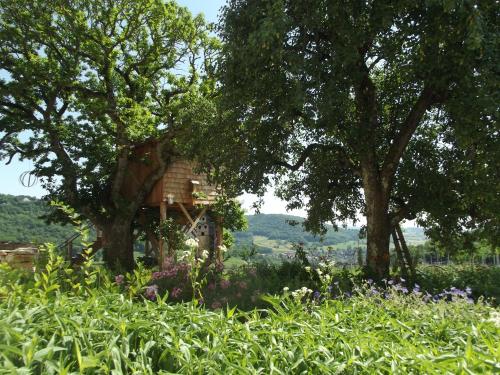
(185, 255)
(308, 269)
(319, 272)
(204, 254)
(222, 248)
(191, 242)
(322, 265)
(494, 318)
(286, 289)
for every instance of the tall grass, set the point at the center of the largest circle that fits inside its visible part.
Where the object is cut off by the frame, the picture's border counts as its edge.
(92, 328)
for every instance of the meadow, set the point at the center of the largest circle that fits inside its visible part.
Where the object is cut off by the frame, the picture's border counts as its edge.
(61, 320)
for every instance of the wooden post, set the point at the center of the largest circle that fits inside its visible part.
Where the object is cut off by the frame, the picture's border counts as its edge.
(218, 239)
(161, 242)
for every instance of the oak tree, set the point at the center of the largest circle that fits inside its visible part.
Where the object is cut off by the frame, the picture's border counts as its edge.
(325, 97)
(82, 82)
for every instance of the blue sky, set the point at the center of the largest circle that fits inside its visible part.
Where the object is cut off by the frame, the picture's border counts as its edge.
(9, 174)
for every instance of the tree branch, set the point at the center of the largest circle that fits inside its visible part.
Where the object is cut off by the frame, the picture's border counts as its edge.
(391, 162)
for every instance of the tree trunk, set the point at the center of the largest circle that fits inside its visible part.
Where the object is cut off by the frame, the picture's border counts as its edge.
(118, 244)
(378, 229)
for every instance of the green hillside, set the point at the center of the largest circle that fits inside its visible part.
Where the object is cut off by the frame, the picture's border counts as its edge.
(20, 221)
(271, 233)
(275, 231)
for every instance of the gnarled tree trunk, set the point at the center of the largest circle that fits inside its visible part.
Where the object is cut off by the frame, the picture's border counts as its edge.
(118, 244)
(378, 225)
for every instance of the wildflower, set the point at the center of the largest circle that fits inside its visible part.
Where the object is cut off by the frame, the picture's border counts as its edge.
(390, 282)
(316, 295)
(119, 279)
(222, 248)
(201, 301)
(224, 284)
(191, 242)
(318, 271)
(176, 292)
(204, 254)
(286, 289)
(468, 290)
(369, 281)
(185, 255)
(494, 318)
(308, 269)
(151, 292)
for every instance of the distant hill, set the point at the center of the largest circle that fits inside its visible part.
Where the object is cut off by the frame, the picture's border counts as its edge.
(277, 227)
(20, 221)
(271, 233)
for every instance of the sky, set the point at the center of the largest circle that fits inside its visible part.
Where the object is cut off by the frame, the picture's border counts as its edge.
(10, 174)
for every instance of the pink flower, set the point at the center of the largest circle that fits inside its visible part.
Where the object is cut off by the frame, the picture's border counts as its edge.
(119, 279)
(216, 305)
(168, 262)
(157, 275)
(176, 292)
(171, 272)
(224, 284)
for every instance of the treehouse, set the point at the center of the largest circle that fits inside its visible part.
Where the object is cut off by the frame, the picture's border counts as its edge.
(180, 194)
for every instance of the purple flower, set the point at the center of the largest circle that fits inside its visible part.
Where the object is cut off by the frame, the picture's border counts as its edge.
(316, 295)
(404, 290)
(119, 279)
(468, 290)
(151, 292)
(390, 282)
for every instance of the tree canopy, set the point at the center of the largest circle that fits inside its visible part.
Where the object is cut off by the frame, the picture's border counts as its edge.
(329, 98)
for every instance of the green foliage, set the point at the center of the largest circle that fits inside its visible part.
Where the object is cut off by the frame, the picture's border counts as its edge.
(484, 281)
(330, 99)
(21, 221)
(172, 234)
(84, 82)
(109, 332)
(231, 212)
